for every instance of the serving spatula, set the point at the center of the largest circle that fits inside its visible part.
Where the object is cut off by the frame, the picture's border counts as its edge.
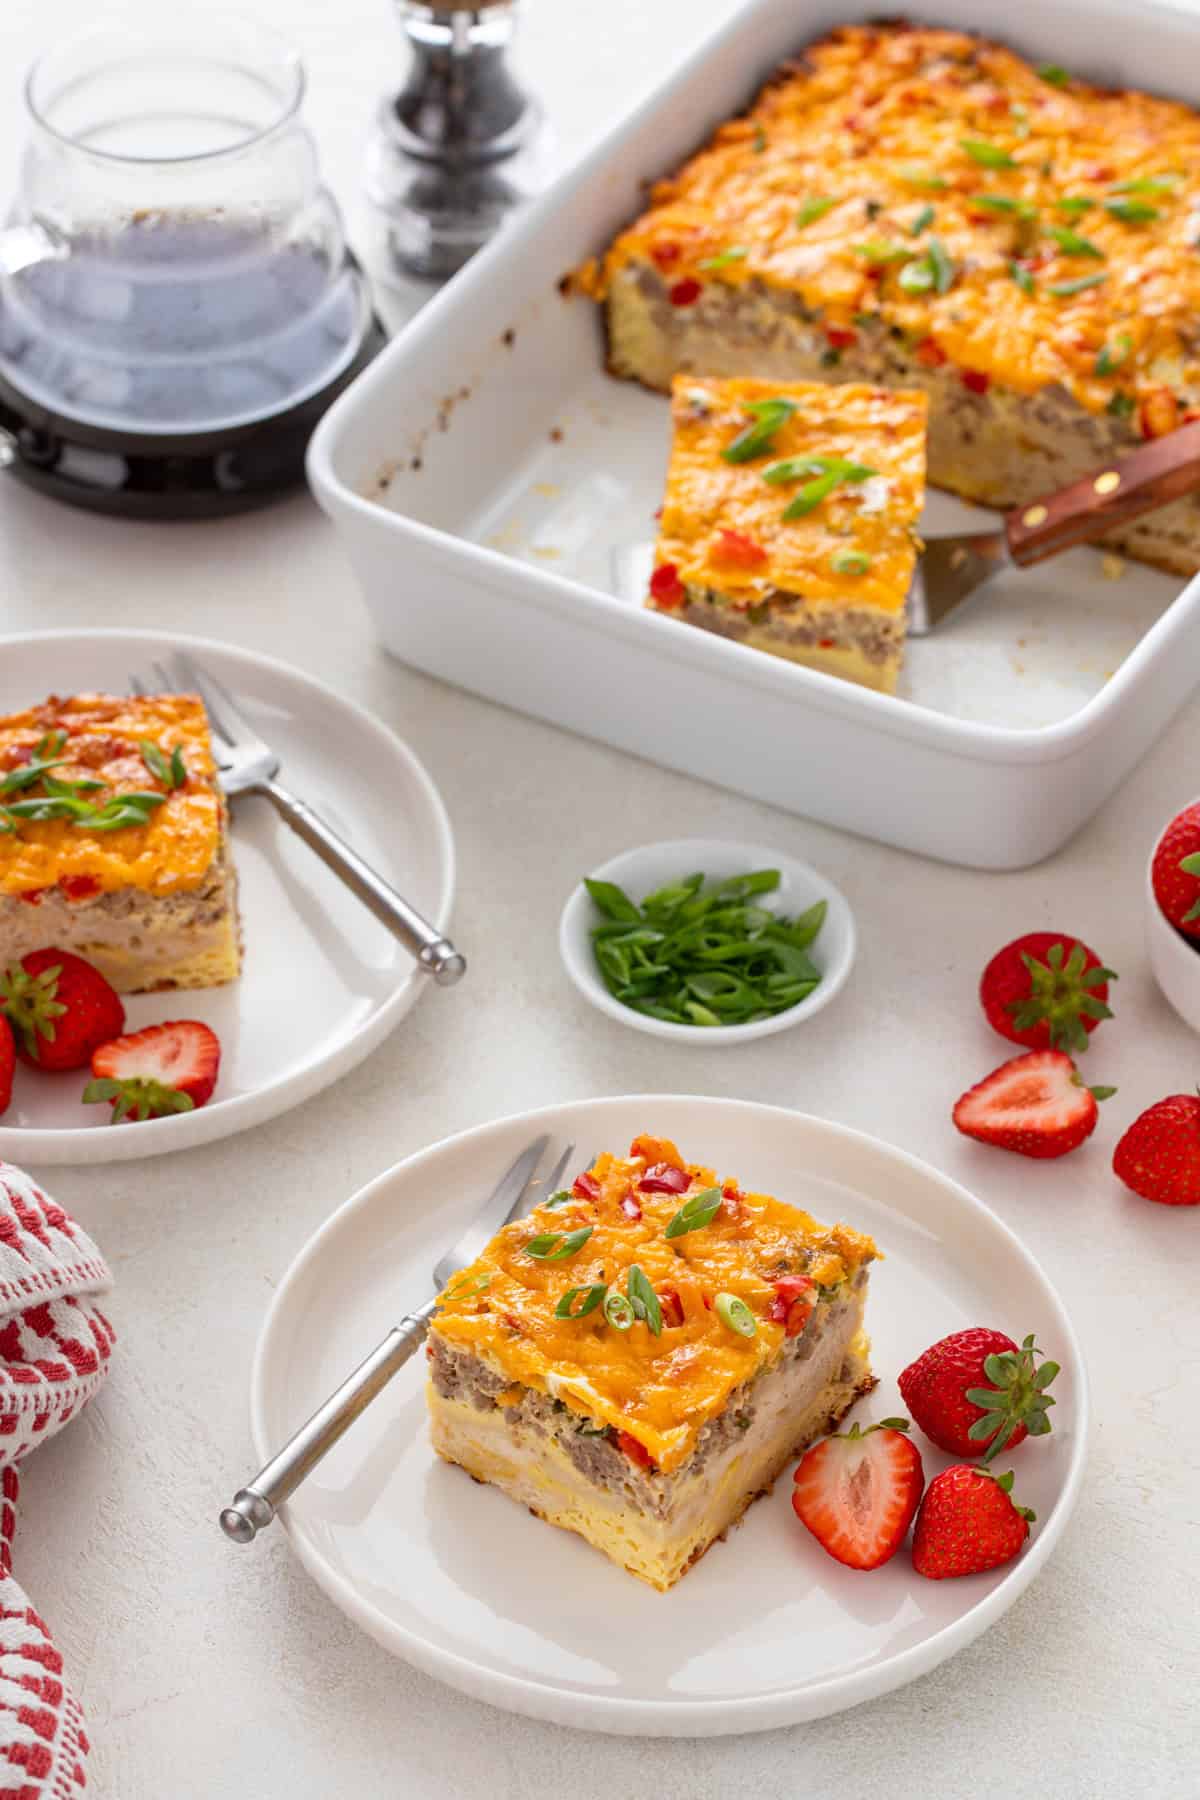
(254, 1506)
(954, 565)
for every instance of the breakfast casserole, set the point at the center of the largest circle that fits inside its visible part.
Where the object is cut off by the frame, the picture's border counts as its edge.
(919, 208)
(789, 522)
(114, 840)
(638, 1359)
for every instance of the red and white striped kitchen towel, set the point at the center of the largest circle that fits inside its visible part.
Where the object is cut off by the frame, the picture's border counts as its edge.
(55, 1344)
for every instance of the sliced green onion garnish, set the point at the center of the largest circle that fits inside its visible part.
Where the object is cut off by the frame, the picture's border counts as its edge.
(988, 156)
(1072, 243)
(1001, 203)
(172, 773)
(922, 178)
(553, 1246)
(643, 1299)
(1078, 286)
(1148, 184)
(1074, 205)
(733, 1312)
(755, 440)
(879, 252)
(618, 1312)
(697, 1211)
(1132, 212)
(1120, 406)
(1056, 77)
(1113, 355)
(27, 775)
(735, 253)
(570, 1307)
(814, 208)
(934, 270)
(467, 1285)
(921, 221)
(558, 1199)
(1022, 276)
(849, 562)
(795, 468)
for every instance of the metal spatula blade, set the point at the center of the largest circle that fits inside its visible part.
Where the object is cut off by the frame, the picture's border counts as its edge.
(948, 571)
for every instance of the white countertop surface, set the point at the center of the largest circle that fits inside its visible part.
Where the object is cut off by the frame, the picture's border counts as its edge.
(211, 1671)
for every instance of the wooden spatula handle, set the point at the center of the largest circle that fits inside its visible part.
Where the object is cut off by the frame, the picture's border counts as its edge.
(1159, 471)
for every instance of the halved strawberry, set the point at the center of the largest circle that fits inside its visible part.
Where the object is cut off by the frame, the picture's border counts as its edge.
(167, 1068)
(1037, 1105)
(8, 1062)
(60, 1008)
(1046, 990)
(857, 1492)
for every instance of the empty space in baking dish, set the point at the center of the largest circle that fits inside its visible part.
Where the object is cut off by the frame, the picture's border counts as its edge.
(575, 490)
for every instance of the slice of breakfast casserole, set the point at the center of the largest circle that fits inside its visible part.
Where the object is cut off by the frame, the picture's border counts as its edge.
(789, 522)
(114, 840)
(911, 206)
(638, 1359)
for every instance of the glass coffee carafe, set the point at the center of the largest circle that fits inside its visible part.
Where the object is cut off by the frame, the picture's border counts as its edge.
(177, 303)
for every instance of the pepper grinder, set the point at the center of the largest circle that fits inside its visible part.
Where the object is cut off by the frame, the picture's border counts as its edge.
(458, 148)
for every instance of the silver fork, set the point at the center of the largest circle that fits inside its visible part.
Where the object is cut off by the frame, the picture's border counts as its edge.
(254, 1506)
(249, 766)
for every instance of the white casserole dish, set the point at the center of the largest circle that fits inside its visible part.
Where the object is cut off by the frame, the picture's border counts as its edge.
(484, 471)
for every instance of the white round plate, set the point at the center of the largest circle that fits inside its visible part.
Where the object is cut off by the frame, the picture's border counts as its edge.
(766, 1630)
(323, 982)
(651, 866)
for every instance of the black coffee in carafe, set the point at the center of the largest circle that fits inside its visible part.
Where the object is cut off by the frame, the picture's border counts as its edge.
(177, 304)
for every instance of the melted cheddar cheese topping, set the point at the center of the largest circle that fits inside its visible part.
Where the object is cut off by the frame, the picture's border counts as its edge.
(661, 1389)
(881, 139)
(723, 524)
(173, 852)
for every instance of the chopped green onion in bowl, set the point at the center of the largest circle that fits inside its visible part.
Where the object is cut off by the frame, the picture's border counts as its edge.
(707, 941)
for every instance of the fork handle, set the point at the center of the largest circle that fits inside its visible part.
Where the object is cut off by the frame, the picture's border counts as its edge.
(254, 1505)
(433, 952)
(1159, 471)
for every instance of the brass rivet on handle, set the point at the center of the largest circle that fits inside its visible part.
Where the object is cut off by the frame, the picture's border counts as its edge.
(1108, 482)
(1036, 515)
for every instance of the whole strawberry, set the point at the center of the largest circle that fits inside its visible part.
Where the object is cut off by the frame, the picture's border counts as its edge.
(60, 1009)
(1175, 872)
(857, 1492)
(1036, 1105)
(975, 1393)
(968, 1522)
(1047, 991)
(8, 1062)
(1159, 1156)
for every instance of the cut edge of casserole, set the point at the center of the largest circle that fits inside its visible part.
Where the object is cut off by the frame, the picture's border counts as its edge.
(649, 1446)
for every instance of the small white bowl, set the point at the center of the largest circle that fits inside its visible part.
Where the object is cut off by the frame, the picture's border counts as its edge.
(1173, 957)
(642, 871)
